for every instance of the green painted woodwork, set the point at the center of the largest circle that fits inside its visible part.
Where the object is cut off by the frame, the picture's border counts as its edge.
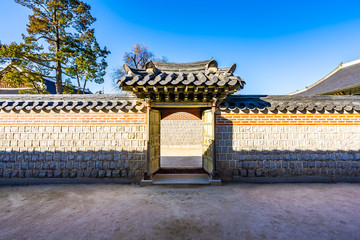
(154, 141)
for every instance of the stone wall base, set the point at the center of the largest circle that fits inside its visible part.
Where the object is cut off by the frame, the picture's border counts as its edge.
(38, 181)
(297, 179)
(43, 181)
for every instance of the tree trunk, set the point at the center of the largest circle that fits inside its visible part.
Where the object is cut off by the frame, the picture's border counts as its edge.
(58, 78)
(78, 81)
(58, 85)
(83, 91)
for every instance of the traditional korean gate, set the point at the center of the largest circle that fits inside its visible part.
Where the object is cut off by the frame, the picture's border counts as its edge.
(154, 141)
(208, 138)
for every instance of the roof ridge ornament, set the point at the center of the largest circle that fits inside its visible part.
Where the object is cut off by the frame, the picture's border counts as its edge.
(150, 67)
(232, 69)
(128, 69)
(211, 67)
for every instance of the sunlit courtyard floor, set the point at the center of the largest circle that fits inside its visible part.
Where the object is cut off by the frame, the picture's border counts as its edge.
(231, 211)
(181, 157)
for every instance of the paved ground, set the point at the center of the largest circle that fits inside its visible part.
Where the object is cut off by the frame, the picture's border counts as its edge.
(232, 211)
(181, 161)
(181, 157)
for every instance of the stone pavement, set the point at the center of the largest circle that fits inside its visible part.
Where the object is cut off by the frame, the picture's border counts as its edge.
(181, 157)
(231, 211)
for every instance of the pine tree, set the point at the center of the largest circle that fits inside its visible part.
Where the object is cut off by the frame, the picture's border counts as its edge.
(60, 41)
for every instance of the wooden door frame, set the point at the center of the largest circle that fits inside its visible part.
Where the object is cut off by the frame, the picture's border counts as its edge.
(202, 106)
(213, 146)
(148, 141)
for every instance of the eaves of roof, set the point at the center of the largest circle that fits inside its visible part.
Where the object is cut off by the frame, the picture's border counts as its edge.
(292, 104)
(80, 102)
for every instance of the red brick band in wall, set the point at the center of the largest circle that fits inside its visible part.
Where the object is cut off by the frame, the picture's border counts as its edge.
(73, 118)
(141, 118)
(181, 114)
(288, 119)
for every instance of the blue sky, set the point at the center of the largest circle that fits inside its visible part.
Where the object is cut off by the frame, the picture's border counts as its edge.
(278, 46)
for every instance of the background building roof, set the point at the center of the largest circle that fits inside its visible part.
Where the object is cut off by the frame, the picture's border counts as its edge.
(341, 80)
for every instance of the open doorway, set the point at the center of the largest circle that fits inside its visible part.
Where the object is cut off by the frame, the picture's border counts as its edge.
(181, 138)
(181, 146)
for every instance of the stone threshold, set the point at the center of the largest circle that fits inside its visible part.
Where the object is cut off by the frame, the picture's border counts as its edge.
(164, 146)
(182, 179)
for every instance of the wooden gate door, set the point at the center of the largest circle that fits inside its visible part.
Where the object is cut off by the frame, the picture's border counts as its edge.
(154, 141)
(208, 141)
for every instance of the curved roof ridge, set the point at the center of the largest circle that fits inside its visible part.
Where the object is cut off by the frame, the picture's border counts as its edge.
(191, 66)
(348, 64)
(192, 63)
(319, 81)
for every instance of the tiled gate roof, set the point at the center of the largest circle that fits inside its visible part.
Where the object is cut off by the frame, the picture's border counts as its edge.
(171, 82)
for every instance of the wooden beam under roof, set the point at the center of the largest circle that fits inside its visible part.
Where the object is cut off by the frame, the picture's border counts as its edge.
(181, 104)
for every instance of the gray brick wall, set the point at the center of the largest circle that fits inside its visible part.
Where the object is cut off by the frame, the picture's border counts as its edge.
(181, 132)
(121, 151)
(287, 151)
(73, 151)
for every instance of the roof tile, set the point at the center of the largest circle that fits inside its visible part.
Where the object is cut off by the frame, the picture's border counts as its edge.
(285, 103)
